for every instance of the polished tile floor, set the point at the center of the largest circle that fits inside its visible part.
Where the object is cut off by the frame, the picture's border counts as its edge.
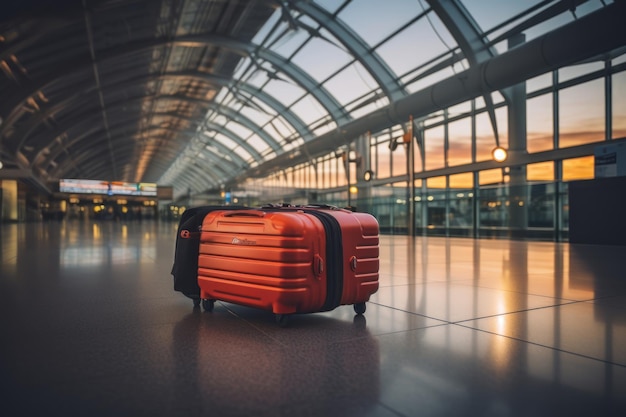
(90, 326)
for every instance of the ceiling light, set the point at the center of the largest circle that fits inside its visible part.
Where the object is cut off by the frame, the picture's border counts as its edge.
(499, 154)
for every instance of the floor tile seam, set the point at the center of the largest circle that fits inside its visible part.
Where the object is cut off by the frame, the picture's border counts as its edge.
(541, 345)
(442, 324)
(606, 297)
(255, 327)
(519, 292)
(414, 314)
(516, 312)
(490, 288)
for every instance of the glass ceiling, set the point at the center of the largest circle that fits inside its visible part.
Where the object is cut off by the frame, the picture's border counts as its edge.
(314, 66)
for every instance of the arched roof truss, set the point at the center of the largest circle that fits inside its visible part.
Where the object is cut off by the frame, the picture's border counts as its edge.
(198, 94)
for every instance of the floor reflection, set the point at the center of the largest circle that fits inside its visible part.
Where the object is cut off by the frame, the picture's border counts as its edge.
(219, 353)
(91, 325)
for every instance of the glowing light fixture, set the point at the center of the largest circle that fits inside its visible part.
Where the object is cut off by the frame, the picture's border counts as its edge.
(499, 154)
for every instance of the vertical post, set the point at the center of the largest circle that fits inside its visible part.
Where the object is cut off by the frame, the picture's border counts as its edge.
(363, 164)
(558, 174)
(476, 206)
(411, 180)
(476, 182)
(518, 189)
(558, 165)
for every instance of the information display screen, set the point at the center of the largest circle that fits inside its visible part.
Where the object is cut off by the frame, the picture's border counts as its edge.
(146, 189)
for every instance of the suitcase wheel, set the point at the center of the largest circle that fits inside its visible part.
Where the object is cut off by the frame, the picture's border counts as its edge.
(208, 305)
(196, 302)
(359, 308)
(282, 319)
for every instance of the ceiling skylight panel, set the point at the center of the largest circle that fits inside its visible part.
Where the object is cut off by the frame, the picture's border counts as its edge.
(221, 94)
(242, 68)
(256, 116)
(290, 42)
(284, 91)
(225, 140)
(279, 129)
(547, 26)
(257, 143)
(308, 110)
(257, 78)
(259, 105)
(330, 5)
(422, 41)
(239, 130)
(489, 14)
(374, 20)
(243, 154)
(266, 30)
(321, 58)
(351, 83)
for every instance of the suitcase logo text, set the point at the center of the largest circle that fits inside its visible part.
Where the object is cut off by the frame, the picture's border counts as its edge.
(237, 241)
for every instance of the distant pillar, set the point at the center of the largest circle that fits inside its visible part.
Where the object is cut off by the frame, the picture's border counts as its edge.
(363, 164)
(518, 188)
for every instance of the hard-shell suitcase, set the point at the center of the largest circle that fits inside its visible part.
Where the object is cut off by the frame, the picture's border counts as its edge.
(289, 259)
(185, 267)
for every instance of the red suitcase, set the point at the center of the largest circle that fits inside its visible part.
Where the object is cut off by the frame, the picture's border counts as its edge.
(289, 260)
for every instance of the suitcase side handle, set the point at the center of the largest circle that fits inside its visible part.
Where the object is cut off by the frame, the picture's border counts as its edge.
(245, 213)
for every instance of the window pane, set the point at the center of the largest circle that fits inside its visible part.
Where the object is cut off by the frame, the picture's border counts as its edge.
(578, 168)
(418, 165)
(398, 166)
(465, 180)
(460, 142)
(334, 172)
(542, 171)
(433, 143)
(581, 114)
(539, 131)
(619, 105)
(502, 119)
(383, 169)
(485, 139)
(490, 176)
(436, 182)
(574, 71)
(537, 83)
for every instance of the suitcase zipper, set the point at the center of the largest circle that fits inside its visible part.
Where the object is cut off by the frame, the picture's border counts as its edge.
(334, 254)
(334, 250)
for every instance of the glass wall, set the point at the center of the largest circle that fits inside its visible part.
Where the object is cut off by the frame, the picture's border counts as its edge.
(457, 190)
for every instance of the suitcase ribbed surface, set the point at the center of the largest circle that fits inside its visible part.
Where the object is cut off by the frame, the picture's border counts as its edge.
(262, 259)
(289, 260)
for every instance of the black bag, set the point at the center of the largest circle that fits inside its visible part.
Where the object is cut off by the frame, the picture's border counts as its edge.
(185, 267)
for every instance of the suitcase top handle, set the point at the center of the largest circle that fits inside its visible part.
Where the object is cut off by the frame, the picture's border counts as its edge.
(245, 213)
(304, 206)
